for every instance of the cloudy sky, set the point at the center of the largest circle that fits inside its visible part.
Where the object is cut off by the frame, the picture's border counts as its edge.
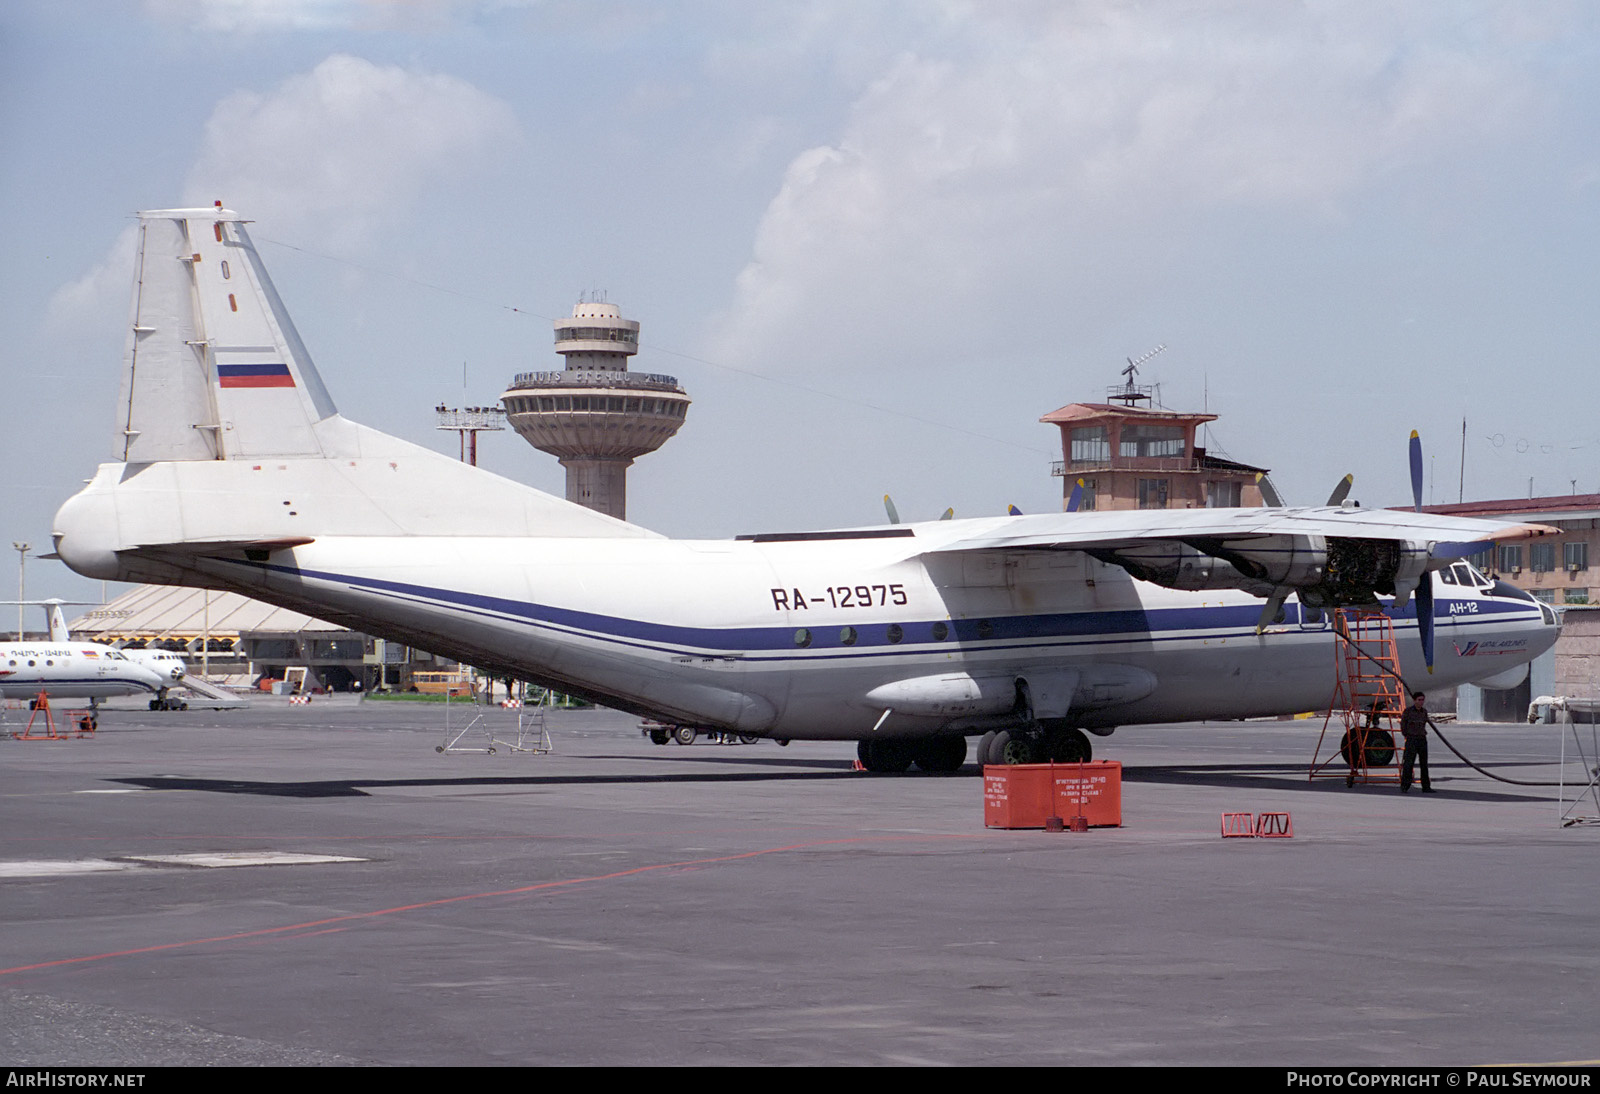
(875, 242)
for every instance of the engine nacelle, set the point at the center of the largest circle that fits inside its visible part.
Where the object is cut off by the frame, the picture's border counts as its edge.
(1257, 566)
(1327, 572)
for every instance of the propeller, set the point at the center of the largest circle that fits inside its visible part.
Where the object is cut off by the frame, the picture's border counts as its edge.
(1013, 511)
(1269, 493)
(1272, 610)
(1076, 498)
(1425, 586)
(1341, 491)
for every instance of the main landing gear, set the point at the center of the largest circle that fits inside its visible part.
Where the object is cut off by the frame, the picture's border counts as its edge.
(935, 755)
(1036, 745)
(1378, 746)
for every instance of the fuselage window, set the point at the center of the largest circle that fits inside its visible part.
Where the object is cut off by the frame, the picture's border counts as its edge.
(940, 632)
(802, 637)
(895, 633)
(847, 636)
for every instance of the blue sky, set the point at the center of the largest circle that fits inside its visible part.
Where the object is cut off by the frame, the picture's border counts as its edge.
(875, 242)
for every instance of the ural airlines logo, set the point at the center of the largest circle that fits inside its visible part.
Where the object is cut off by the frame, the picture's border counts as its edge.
(254, 376)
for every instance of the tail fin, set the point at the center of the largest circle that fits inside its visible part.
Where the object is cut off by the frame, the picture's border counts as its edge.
(214, 369)
(58, 625)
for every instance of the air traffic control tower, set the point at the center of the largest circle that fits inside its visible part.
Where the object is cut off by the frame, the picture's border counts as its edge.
(595, 415)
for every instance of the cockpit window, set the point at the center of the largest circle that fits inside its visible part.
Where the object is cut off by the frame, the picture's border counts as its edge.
(1448, 576)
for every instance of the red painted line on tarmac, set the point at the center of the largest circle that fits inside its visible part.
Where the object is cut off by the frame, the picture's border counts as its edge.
(541, 886)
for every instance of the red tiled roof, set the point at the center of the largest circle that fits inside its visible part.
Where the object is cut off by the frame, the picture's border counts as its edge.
(1509, 506)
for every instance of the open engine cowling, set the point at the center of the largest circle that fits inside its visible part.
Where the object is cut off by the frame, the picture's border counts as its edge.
(1326, 571)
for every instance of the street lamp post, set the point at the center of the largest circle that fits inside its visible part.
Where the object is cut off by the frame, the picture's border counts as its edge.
(22, 588)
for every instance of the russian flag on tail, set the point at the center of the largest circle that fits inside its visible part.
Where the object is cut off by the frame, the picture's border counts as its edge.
(254, 376)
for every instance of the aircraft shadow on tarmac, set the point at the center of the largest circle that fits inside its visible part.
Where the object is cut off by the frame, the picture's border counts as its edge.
(1293, 777)
(359, 788)
(1264, 776)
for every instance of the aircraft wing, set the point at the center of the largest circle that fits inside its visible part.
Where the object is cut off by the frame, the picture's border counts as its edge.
(1331, 555)
(1079, 531)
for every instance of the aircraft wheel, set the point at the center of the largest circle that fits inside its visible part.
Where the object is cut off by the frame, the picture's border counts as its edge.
(783, 742)
(155, 704)
(1069, 746)
(1380, 748)
(884, 757)
(985, 754)
(183, 706)
(1345, 751)
(685, 735)
(660, 736)
(942, 755)
(748, 738)
(1012, 746)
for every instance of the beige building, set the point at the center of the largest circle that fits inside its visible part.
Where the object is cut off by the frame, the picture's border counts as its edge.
(225, 635)
(1132, 457)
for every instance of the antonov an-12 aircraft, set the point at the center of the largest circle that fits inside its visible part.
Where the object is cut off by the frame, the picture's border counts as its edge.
(234, 471)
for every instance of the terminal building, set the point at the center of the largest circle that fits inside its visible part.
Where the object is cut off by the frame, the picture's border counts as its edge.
(234, 640)
(595, 415)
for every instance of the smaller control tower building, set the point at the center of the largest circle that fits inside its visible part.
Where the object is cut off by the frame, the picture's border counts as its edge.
(595, 415)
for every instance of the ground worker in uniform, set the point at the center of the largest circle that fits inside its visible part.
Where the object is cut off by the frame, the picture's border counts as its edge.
(1414, 728)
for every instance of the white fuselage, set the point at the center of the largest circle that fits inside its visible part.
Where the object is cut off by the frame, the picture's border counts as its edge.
(72, 670)
(792, 638)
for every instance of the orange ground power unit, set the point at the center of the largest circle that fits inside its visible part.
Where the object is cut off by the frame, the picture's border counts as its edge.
(1027, 795)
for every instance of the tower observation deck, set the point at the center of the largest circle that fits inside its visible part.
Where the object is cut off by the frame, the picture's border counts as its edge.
(595, 416)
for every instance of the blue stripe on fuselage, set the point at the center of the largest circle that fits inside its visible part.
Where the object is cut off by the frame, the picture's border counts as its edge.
(1122, 627)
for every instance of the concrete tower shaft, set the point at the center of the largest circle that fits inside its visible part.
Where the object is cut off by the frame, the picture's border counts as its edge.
(595, 415)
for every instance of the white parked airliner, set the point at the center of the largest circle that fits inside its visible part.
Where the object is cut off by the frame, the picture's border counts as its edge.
(234, 471)
(72, 670)
(65, 669)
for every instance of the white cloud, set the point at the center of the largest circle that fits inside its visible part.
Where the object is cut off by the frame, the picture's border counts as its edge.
(1022, 139)
(331, 156)
(97, 301)
(260, 15)
(342, 150)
